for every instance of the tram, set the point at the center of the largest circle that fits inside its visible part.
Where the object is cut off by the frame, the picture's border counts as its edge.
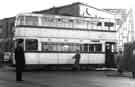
(53, 39)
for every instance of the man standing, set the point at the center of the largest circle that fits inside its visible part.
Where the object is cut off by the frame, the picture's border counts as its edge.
(77, 60)
(120, 62)
(20, 60)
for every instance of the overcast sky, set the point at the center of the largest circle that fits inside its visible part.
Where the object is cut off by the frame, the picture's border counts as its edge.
(9, 8)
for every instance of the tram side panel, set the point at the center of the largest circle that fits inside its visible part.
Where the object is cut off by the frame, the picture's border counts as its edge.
(62, 58)
(46, 58)
(65, 58)
(32, 58)
(84, 58)
(96, 58)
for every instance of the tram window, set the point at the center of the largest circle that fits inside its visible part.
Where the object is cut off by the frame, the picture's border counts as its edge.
(98, 47)
(49, 46)
(20, 20)
(70, 20)
(31, 20)
(44, 46)
(85, 47)
(59, 20)
(60, 47)
(54, 46)
(91, 47)
(67, 47)
(75, 46)
(109, 24)
(31, 45)
(99, 24)
(43, 19)
(79, 21)
(48, 19)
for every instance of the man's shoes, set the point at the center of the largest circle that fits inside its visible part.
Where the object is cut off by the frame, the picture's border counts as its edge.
(19, 80)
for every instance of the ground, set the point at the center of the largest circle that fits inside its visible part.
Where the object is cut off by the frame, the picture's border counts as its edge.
(66, 78)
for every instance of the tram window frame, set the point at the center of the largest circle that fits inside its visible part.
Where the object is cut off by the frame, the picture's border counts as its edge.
(91, 48)
(68, 48)
(28, 46)
(59, 48)
(43, 46)
(99, 23)
(31, 20)
(20, 20)
(48, 46)
(72, 47)
(109, 25)
(75, 46)
(43, 20)
(78, 21)
(96, 48)
(86, 48)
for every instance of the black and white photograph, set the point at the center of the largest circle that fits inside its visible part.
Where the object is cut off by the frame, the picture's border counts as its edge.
(67, 43)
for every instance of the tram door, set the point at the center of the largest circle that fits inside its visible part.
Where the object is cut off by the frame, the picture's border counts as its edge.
(109, 52)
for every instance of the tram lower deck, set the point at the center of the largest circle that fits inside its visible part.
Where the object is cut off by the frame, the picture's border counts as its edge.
(61, 53)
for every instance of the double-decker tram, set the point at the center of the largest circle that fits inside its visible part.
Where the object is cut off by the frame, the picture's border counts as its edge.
(53, 39)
